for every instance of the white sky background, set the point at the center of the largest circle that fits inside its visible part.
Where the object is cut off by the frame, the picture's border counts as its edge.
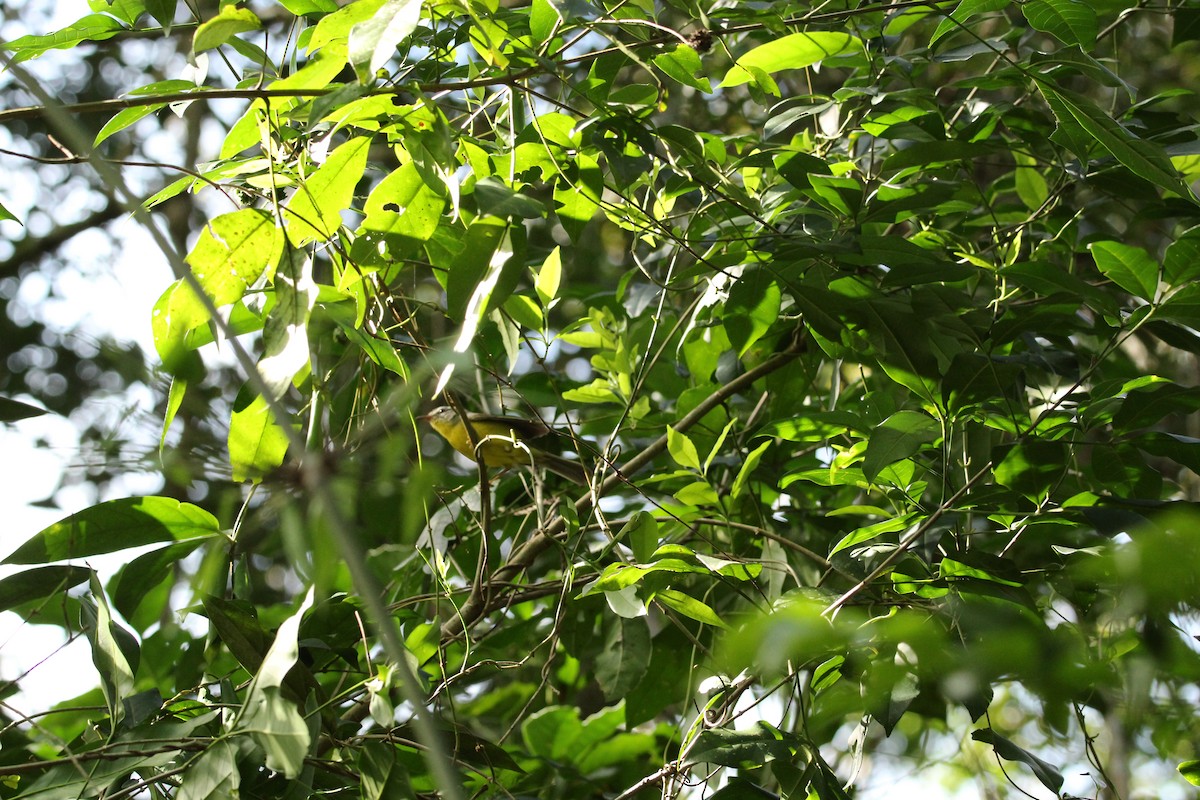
(109, 295)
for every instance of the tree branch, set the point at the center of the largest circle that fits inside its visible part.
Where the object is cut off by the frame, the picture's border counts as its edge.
(476, 605)
(31, 249)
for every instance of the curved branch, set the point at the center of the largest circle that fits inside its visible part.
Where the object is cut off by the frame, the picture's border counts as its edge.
(477, 605)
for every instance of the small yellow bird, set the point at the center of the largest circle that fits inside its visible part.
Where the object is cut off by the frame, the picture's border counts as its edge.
(501, 441)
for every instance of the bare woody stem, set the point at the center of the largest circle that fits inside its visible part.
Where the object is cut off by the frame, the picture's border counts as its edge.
(477, 603)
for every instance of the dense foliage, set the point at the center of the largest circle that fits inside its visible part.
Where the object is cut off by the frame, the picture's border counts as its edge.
(875, 326)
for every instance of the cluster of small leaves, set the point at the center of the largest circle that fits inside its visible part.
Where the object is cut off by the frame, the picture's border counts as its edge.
(872, 325)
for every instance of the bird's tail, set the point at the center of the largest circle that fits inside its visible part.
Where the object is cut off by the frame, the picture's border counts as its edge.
(571, 470)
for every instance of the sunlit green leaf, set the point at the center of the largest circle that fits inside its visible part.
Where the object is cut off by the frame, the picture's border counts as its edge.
(116, 525)
(218, 30)
(794, 51)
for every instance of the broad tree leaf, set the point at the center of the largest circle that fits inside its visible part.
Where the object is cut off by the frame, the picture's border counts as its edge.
(271, 719)
(683, 449)
(1181, 263)
(870, 532)
(1030, 467)
(1129, 267)
(373, 41)
(233, 252)
(732, 748)
(1050, 777)
(1081, 121)
(681, 64)
(1071, 21)
(751, 309)
(39, 583)
(116, 525)
(689, 606)
(14, 410)
(622, 663)
(114, 650)
(964, 11)
(214, 775)
(382, 774)
(314, 212)
(795, 51)
(137, 578)
(257, 445)
(92, 28)
(901, 435)
(218, 30)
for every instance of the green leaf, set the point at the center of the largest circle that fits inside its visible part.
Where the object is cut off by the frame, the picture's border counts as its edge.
(373, 41)
(314, 212)
(900, 436)
(965, 10)
(141, 575)
(257, 445)
(233, 251)
(682, 449)
(1129, 267)
(578, 196)
(551, 731)
(116, 525)
(271, 720)
(747, 469)
(114, 650)
(752, 308)
(1071, 21)
(383, 775)
(841, 195)
(6, 215)
(177, 313)
(1031, 185)
(795, 51)
(1050, 777)
(92, 28)
(400, 211)
(1181, 449)
(544, 19)
(756, 746)
(127, 11)
(870, 532)
(212, 776)
(625, 657)
(34, 585)
(1190, 770)
(123, 119)
(1030, 468)
(285, 333)
(681, 64)
(1123, 471)
(14, 410)
(1081, 121)
(641, 532)
(163, 12)
(218, 30)
(502, 200)
(376, 348)
(549, 277)
(1181, 262)
(1147, 405)
(689, 606)
(305, 7)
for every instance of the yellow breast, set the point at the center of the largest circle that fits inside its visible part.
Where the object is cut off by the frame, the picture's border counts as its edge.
(495, 442)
